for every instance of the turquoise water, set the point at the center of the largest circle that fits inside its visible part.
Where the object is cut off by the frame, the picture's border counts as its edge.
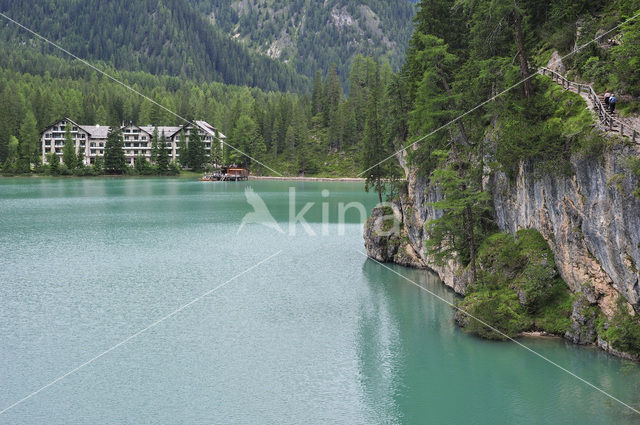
(317, 334)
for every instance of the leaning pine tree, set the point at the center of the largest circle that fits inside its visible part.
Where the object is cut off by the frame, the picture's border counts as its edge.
(376, 151)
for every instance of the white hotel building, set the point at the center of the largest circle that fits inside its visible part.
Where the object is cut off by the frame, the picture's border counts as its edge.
(137, 140)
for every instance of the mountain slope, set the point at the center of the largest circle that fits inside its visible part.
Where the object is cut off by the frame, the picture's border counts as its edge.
(312, 34)
(157, 36)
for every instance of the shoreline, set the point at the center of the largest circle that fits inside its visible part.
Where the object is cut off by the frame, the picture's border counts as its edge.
(539, 334)
(309, 179)
(187, 176)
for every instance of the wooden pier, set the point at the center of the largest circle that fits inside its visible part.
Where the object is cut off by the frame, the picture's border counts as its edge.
(227, 174)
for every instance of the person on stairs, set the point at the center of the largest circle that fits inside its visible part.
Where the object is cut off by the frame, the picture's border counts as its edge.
(607, 95)
(612, 104)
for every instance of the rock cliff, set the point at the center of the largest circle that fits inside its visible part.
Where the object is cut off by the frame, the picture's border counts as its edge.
(589, 217)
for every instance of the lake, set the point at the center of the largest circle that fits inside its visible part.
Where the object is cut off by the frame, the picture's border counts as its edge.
(313, 335)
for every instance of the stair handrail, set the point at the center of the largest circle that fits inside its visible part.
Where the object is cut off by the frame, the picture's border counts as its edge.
(604, 116)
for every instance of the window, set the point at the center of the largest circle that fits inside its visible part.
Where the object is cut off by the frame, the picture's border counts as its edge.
(101, 144)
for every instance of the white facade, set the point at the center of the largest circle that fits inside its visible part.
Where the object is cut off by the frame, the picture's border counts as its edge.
(136, 139)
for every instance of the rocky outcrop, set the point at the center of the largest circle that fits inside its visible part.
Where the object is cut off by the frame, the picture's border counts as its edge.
(589, 217)
(583, 318)
(413, 210)
(386, 238)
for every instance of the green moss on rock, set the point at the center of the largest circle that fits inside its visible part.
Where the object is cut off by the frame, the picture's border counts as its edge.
(518, 288)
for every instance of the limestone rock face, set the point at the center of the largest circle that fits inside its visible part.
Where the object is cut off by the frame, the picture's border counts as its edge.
(591, 225)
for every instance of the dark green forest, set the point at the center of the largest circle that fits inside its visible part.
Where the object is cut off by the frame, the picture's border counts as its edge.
(167, 37)
(220, 40)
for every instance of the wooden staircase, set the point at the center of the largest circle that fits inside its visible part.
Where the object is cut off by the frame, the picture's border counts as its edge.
(605, 118)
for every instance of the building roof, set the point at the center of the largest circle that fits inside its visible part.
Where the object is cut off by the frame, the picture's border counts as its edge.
(96, 131)
(136, 126)
(62, 120)
(210, 129)
(101, 131)
(169, 131)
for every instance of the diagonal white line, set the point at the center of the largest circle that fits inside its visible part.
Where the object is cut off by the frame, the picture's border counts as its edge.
(491, 99)
(502, 333)
(141, 331)
(128, 87)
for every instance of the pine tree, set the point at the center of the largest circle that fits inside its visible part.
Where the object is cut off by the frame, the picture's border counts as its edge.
(258, 151)
(183, 150)
(28, 139)
(317, 94)
(242, 138)
(80, 157)
(142, 166)
(69, 149)
(54, 163)
(13, 153)
(197, 152)
(162, 164)
(155, 143)
(4, 145)
(332, 97)
(114, 160)
(457, 233)
(375, 148)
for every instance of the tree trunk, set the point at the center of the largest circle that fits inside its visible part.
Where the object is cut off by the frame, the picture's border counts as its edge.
(463, 132)
(379, 187)
(524, 65)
